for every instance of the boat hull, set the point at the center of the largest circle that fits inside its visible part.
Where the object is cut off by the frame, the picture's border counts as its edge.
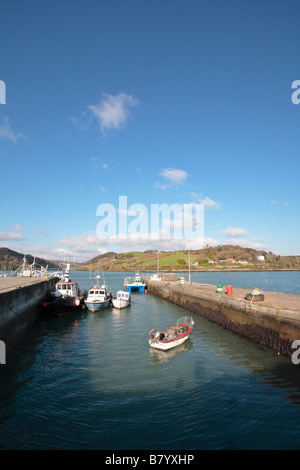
(97, 306)
(120, 303)
(58, 306)
(164, 346)
(134, 288)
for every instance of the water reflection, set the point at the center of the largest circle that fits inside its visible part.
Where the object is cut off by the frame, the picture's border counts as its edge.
(266, 367)
(157, 356)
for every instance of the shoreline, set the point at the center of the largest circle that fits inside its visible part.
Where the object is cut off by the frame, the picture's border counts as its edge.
(192, 271)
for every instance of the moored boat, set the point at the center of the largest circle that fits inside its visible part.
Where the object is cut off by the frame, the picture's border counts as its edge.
(155, 277)
(122, 299)
(136, 283)
(173, 336)
(66, 298)
(98, 298)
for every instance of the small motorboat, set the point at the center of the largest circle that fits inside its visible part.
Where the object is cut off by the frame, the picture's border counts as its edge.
(98, 298)
(122, 299)
(173, 336)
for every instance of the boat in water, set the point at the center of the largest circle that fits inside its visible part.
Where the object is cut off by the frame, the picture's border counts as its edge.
(98, 297)
(67, 297)
(173, 336)
(156, 276)
(136, 283)
(122, 299)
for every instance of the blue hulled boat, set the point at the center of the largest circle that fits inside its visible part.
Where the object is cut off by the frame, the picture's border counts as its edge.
(136, 283)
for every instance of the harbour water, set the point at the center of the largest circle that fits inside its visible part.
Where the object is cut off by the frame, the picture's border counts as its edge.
(90, 381)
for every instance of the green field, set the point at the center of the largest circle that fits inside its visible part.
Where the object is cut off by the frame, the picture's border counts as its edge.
(222, 257)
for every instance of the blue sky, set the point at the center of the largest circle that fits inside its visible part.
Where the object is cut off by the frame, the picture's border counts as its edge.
(168, 101)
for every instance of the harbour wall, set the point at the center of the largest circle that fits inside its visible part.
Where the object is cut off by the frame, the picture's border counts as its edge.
(21, 301)
(273, 322)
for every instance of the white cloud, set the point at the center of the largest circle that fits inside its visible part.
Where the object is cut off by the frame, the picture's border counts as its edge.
(174, 177)
(97, 165)
(246, 244)
(10, 236)
(87, 245)
(6, 131)
(234, 231)
(19, 228)
(113, 111)
(208, 203)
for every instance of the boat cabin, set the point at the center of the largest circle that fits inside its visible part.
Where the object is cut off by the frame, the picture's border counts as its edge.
(123, 295)
(67, 288)
(97, 291)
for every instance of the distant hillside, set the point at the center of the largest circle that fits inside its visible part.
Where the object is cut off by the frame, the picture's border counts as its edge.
(11, 260)
(222, 257)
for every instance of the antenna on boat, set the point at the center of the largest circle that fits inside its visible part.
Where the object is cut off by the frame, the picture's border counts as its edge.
(103, 276)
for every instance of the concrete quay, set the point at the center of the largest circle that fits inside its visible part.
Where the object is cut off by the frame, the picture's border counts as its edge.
(273, 322)
(21, 300)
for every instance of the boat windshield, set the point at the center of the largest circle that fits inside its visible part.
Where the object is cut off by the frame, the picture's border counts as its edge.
(123, 295)
(188, 320)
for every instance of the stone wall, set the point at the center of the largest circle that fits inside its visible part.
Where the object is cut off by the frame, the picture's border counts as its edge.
(259, 324)
(20, 308)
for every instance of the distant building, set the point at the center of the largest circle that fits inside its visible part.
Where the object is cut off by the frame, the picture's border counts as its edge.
(261, 258)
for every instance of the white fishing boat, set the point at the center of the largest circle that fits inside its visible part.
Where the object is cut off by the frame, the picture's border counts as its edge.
(122, 299)
(156, 276)
(173, 336)
(66, 298)
(31, 270)
(98, 298)
(136, 283)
